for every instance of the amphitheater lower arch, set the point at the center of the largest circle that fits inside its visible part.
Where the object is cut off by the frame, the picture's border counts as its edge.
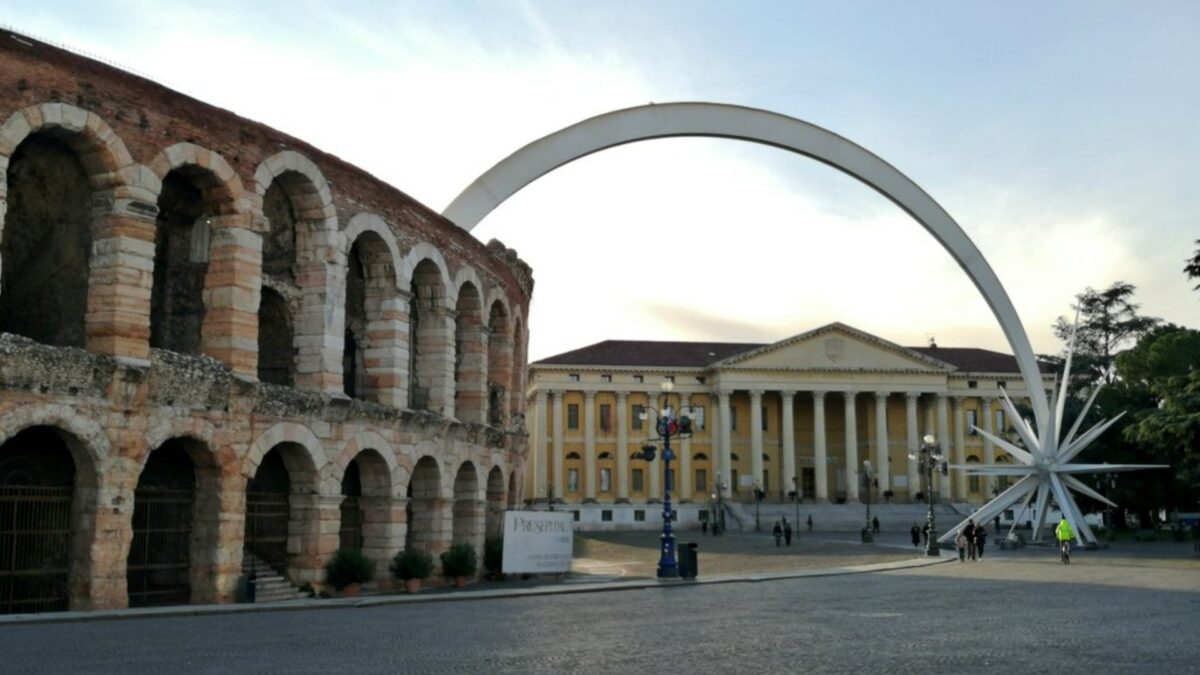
(653, 121)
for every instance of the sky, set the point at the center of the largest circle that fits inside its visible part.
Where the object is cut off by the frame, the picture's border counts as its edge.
(1062, 137)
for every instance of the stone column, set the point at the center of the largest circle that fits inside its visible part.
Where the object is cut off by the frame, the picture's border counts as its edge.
(117, 319)
(960, 450)
(622, 447)
(756, 440)
(989, 450)
(726, 445)
(471, 397)
(231, 290)
(883, 470)
(537, 443)
(943, 436)
(435, 358)
(589, 447)
(560, 472)
(851, 447)
(820, 462)
(790, 478)
(320, 323)
(914, 443)
(385, 360)
(683, 483)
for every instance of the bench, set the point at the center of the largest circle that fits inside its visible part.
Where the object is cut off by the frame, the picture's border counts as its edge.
(1144, 534)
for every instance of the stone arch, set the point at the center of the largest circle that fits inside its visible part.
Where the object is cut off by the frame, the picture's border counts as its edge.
(372, 311)
(284, 432)
(494, 522)
(363, 440)
(305, 184)
(520, 344)
(470, 354)
(119, 190)
(425, 251)
(431, 334)
(428, 522)
(224, 190)
(653, 121)
(369, 222)
(468, 524)
(500, 359)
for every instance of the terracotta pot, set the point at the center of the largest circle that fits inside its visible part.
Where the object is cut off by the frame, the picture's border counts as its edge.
(352, 591)
(460, 582)
(412, 585)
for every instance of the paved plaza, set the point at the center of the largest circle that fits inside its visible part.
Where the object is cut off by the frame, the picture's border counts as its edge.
(1133, 608)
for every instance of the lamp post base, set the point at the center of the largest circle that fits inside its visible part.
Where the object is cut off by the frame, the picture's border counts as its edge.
(668, 566)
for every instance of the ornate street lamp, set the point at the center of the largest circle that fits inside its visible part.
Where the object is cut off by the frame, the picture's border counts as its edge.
(719, 487)
(929, 458)
(668, 426)
(867, 474)
(796, 499)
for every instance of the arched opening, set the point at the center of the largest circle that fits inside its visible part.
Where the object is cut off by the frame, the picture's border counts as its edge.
(158, 569)
(370, 328)
(468, 511)
(350, 533)
(281, 510)
(37, 479)
(606, 476)
(181, 254)
(366, 508)
(429, 343)
(495, 503)
(573, 463)
(470, 357)
(276, 350)
(500, 354)
(423, 510)
(702, 474)
(46, 244)
(517, 391)
(279, 246)
(356, 323)
(513, 494)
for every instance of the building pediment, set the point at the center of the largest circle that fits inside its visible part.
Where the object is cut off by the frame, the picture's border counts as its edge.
(835, 347)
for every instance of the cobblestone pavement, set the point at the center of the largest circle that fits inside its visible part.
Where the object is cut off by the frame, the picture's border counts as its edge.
(1020, 611)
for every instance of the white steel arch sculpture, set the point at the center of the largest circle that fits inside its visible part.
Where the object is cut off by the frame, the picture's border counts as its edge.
(668, 120)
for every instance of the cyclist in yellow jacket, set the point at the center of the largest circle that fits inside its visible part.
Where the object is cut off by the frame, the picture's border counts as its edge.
(1065, 535)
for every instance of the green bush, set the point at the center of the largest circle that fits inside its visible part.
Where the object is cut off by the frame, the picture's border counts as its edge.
(412, 563)
(460, 561)
(493, 555)
(348, 566)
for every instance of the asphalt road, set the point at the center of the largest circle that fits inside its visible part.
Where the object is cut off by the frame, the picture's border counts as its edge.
(1020, 614)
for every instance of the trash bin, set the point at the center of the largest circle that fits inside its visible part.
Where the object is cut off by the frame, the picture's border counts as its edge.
(688, 561)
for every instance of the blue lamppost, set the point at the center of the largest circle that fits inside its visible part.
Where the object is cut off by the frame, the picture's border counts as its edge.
(668, 426)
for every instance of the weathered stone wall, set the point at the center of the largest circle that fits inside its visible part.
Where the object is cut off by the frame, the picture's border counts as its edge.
(192, 212)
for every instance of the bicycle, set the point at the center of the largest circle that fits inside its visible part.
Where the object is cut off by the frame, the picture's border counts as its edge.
(1064, 551)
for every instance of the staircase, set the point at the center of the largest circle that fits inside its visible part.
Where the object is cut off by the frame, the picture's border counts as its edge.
(851, 517)
(269, 585)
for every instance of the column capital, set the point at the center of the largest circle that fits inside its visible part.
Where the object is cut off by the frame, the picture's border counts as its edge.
(787, 393)
(942, 396)
(913, 395)
(589, 395)
(988, 399)
(540, 394)
(958, 401)
(850, 394)
(722, 392)
(819, 396)
(882, 395)
(555, 393)
(756, 393)
(622, 396)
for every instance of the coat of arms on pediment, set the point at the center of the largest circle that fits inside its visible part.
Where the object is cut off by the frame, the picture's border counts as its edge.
(835, 349)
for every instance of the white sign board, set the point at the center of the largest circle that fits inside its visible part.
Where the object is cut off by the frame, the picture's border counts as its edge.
(537, 542)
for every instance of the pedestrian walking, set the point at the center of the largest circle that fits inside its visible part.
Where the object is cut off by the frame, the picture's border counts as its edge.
(960, 542)
(875, 524)
(925, 535)
(778, 532)
(810, 522)
(969, 533)
(980, 540)
(916, 535)
(787, 532)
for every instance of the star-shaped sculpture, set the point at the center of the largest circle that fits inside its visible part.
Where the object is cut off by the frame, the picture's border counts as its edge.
(1045, 467)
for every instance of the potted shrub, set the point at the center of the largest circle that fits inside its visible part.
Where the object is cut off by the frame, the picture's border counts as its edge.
(411, 566)
(348, 570)
(460, 562)
(493, 557)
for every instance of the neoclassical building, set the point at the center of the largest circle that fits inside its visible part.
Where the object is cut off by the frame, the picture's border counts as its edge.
(803, 413)
(222, 349)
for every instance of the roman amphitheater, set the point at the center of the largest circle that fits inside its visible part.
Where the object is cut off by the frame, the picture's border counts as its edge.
(221, 348)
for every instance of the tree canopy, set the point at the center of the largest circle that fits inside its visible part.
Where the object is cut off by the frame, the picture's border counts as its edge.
(1108, 321)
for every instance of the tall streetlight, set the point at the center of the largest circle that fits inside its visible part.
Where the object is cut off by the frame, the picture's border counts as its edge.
(796, 500)
(668, 426)
(929, 458)
(719, 486)
(1110, 483)
(867, 474)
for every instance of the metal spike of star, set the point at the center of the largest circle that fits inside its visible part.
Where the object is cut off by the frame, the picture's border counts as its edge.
(1045, 467)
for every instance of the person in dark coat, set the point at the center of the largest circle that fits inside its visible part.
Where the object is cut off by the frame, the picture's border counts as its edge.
(916, 535)
(787, 532)
(810, 522)
(980, 540)
(778, 532)
(969, 532)
(925, 535)
(875, 524)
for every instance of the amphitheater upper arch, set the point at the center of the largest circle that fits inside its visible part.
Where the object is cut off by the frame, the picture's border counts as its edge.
(369, 222)
(466, 274)
(229, 193)
(315, 202)
(193, 428)
(284, 432)
(91, 453)
(653, 121)
(497, 295)
(425, 251)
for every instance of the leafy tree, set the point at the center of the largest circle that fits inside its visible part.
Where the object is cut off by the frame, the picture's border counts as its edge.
(1192, 268)
(1108, 320)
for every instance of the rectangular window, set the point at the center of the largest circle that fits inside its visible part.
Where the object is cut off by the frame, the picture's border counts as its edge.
(733, 477)
(605, 377)
(1000, 428)
(765, 417)
(972, 384)
(639, 516)
(572, 415)
(573, 480)
(1001, 384)
(576, 515)
(637, 480)
(606, 515)
(700, 380)
(605, 417)
(639, 379)
(766, 484)
(638, 411)
(671, 480)
(732, 418)
(669, 378)
(701, 480)
(973, 483)
(972, 421)
(606, 480)
(698, 417)
(573, 377)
